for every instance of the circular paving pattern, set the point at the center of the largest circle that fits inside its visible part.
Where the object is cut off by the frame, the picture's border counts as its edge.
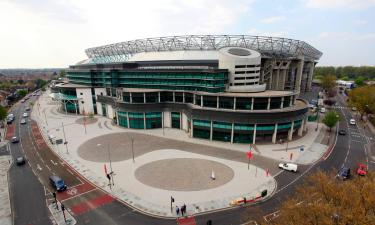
(184, 174)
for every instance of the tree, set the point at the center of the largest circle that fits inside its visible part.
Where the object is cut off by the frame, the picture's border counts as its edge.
(330, 119)
(359, 81)
(22, 93)
(328, 201)
(329, 82)
(40, 83)
(62, 73)
(363, 98)
(3, 113)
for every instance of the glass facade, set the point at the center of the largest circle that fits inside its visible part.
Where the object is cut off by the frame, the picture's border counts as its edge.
(201, 129)
(122, 119)
(221, 131)
(176, 120)
(153, 120)
(136, 120)
(167, 80)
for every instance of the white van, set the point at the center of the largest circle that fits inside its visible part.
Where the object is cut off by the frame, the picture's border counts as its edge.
(288, 166)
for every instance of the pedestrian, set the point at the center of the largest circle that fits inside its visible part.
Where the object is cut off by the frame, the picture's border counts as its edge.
(184, 208)
(177, 210)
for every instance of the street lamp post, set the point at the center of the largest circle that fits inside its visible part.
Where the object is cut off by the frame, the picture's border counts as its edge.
(317, 119)
(110, 164)
(65, 142)
(132, 139)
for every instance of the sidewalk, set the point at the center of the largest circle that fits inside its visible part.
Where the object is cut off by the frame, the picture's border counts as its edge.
(155, 200)
(5, 209)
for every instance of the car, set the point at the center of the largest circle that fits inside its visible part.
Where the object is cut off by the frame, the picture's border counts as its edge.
(23, 100)
(15, 139)
(352, 121)
(27, 108)
(361, 170)
(323, 110)
(57, 183)
(9, 121)
(23, 121)
(288, 166)
(344, 173)
(25, 115)
(342, 132)
(354, 109)
(20, 161)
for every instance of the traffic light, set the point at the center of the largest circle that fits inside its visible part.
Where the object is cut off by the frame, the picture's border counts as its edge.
(108, 176)
(172, 199)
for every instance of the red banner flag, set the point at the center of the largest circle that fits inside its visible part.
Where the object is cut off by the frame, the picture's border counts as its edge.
(267, 172)
(105, 169)
(249, 155)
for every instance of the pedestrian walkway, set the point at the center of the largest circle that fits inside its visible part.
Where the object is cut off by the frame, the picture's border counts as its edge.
(248, 180)
(5, 209)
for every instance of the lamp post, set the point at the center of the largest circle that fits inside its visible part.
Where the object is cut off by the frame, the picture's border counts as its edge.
(317, 118)
(65, 142)
(132, 139)
(111, 173)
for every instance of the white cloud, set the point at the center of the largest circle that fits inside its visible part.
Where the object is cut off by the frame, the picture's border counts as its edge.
(55, 33)
(272, 19)
(341, 4)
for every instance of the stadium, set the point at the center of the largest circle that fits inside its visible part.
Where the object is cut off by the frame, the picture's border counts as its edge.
(231, 88)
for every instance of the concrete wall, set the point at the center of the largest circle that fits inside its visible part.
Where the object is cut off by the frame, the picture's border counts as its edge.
(110, 112)
(84, 95)
(184, 123)
(99, 108)
(167, 119)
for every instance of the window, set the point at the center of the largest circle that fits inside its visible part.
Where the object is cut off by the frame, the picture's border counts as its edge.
(239, 72)
(240, 66)
(240, 78)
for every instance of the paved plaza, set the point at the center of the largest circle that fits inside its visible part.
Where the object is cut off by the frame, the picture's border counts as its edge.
(167, 162)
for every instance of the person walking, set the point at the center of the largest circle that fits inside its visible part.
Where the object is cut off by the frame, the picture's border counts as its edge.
(177, 210)
(184, 206)
(182, 210)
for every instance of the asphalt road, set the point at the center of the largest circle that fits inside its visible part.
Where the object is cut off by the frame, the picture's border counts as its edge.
(26, 192)
(31, 208)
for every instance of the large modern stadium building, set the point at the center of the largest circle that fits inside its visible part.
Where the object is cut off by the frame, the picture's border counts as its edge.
(232, 88)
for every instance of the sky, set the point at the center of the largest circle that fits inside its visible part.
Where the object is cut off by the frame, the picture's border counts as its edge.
(55, 33)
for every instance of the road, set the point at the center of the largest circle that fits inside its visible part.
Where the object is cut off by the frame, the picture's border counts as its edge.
(90, 205)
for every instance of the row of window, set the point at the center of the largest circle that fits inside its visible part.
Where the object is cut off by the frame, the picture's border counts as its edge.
(247, 72)
(246, 78)
(246, 66)
(242, 103)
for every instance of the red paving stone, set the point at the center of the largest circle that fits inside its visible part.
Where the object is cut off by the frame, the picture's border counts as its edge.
(74, 191)
(84, 207)
(38, 136)
(186, 221)
(10, 132)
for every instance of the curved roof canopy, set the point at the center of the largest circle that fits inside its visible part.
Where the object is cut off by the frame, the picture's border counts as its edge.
(267, 46)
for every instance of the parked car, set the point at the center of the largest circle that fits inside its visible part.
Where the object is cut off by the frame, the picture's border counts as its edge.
(323, 110)
(20, 161)
(288, 166)
(25, 115)
(27, 109)
(344, 173)
(361, 170)
(15, 139)
(57, 183)
(354, 109)
(342, 132)
(23, 121)
(352, 121)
